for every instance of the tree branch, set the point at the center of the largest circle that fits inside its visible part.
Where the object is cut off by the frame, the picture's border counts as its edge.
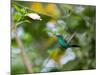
(22, 53)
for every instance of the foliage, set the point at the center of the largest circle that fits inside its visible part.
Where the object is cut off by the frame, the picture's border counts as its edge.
(37, 35)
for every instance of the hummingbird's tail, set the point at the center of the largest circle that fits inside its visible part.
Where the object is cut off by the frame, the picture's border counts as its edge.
(74, 45)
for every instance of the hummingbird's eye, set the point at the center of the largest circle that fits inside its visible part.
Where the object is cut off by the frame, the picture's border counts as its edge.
(59, 35)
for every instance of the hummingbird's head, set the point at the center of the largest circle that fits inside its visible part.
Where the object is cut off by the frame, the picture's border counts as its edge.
(59, 36)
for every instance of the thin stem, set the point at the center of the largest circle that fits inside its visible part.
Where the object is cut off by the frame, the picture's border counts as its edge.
(22, 53)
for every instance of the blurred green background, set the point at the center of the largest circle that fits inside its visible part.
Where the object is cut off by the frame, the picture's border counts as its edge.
(36, 35)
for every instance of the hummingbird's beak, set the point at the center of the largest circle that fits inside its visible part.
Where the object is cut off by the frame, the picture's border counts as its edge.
(56, 35)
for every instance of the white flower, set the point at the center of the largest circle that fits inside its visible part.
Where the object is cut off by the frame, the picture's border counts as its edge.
(48, 65)
(51, 25)
(34, 16)
(69, 56)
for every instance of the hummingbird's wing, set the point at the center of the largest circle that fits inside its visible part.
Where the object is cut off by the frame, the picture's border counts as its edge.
(72, 36)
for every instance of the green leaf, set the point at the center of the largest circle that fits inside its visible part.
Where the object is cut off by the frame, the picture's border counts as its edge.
(20, 10)
(23, 11)
(17, 16)
(19, 23)
(16, 7)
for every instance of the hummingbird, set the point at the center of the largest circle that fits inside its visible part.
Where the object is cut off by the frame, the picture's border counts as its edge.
(63, 43)
(59, 52)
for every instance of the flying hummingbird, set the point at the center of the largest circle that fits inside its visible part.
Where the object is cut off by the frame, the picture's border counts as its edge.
(63, 43)
(57, 54)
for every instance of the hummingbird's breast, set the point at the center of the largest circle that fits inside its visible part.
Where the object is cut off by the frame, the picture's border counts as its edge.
(62, 43)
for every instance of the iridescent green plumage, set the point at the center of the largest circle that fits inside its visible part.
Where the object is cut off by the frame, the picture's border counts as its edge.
(58, 53)
(63, 43)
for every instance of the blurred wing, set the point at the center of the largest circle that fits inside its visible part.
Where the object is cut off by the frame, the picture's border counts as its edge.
(70, 38)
